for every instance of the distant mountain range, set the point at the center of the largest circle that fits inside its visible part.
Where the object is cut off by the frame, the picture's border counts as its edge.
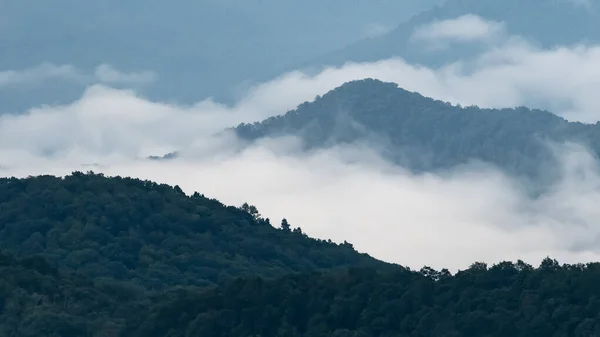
(423, 134)
(545, 23)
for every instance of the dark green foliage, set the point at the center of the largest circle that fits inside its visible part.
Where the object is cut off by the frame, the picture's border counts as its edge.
(508, 300)
(285, 226)
(35, 300)
(424, 134)
(92, 253)
(151, 234)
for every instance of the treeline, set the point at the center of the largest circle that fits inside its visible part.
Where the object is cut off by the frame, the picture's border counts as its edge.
(507, 299)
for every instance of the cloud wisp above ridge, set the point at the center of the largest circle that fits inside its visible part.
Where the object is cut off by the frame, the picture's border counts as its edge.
(347, 193)
(463, 29)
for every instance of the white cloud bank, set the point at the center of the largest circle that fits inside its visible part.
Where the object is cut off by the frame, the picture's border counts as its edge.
(442, 221)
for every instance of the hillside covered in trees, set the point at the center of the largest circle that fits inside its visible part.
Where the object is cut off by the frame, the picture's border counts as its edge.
(423, 134)
(88, 255)
(507, 299)
(152, 235)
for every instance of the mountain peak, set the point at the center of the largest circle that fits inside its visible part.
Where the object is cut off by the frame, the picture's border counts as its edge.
(369, 87)
(421, 133)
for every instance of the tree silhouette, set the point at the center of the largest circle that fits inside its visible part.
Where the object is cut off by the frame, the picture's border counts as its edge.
(285, 226)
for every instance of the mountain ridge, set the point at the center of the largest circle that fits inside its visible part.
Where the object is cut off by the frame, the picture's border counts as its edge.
(581, 22)
(424, 134)
(153, 234)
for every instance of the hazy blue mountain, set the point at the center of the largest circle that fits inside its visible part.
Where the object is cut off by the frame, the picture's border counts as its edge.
(197, 48)
(544, 22)
(424, 134)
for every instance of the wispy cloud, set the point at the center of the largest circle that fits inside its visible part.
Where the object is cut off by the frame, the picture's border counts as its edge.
(108, 74)
(466, 28)
(104, 73)
(377, 29)
(38, 74)
(584, 3)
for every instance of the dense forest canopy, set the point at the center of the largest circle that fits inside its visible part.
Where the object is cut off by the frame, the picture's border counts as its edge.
(507, 299)
(89, 255)
(424, 134)
(152, 235)
(37, 300)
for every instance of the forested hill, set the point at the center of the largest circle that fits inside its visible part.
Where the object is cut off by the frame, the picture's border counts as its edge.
(153, 235)
(421, 133)
(119, 257)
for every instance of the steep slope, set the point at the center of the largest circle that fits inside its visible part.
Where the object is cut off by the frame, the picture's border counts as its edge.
(544, 22)
(506, 299)
(152, 235)
(424, 134)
